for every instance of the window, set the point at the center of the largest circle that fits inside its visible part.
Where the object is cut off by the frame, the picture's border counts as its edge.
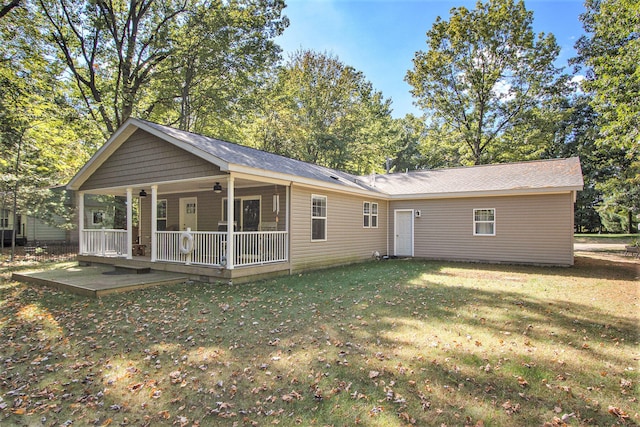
(4, 218)
(247, 213)
(370, 215)
(484, 222)
(97, 217)
(366, 214)
(318, 217)
(374, 215)
(162, 215)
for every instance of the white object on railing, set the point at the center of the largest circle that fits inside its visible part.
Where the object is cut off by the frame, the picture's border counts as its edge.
(210, 247)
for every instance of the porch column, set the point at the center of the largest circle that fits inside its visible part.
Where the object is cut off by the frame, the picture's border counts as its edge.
(80, 202)
(154, 221)
(230, 216)
(129, 223)
(287, 223)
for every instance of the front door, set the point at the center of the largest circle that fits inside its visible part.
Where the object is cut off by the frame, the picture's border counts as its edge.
(189, 213)
(404, 233)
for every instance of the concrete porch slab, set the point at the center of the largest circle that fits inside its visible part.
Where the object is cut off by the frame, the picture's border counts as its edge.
(98, 280)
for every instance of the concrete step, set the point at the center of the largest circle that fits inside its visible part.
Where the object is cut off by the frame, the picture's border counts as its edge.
(130, 269)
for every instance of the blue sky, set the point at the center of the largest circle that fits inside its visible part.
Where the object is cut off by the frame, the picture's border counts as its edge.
(380, 37)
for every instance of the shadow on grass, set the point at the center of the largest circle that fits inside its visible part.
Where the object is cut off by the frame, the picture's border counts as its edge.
(391, 343)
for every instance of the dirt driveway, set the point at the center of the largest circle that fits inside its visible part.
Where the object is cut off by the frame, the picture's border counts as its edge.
(592, 254)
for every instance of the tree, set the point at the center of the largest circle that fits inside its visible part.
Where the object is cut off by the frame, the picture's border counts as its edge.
(483, 70)
(322, 111)
(611, 52)
(6, 7)
(41, 138)
(112, 50)
(223, 54)
(161, 58)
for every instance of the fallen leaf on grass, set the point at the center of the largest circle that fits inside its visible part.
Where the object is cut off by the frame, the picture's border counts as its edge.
(617, 412)
(510, 408)
(555, 422)
(290, 397)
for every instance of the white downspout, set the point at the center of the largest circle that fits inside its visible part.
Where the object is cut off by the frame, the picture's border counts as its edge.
(388, 228)
(129, 223)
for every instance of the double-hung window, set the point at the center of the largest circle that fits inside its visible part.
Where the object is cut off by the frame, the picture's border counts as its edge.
(484, 222)
(370, 215)
(318, 218)
(161, 215)
(4, 218)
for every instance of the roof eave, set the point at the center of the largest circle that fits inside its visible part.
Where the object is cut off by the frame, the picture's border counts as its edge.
(491, 193)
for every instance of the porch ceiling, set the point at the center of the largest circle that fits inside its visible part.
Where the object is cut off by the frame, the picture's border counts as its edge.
(185, 186)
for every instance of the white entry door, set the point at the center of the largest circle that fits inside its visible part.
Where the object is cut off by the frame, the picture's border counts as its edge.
(189, 213)
(404, 233)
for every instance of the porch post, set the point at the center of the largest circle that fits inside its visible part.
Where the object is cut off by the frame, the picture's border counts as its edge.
(230, 216)
(154, 221)
(80, 202)
(287, 220)
(129, 223)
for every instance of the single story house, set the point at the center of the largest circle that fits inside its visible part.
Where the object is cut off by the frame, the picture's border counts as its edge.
(30, 230)
(289, 216)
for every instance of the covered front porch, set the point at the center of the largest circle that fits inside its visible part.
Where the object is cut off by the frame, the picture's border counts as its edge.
(182, 226)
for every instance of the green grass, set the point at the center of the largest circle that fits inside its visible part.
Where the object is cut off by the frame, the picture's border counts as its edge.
(390, 343)
(606, 238)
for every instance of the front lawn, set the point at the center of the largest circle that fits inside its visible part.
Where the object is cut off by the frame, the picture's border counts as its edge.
(389, 343)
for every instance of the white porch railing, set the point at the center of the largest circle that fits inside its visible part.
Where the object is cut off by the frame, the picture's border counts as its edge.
(209, 247)
(103, 242)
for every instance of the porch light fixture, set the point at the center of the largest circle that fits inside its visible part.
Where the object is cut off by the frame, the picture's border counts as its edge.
(142, 193)
(217, 188)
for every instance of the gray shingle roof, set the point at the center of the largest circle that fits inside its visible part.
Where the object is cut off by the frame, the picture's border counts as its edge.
(254, 158)
(535, 175)
(543, 175)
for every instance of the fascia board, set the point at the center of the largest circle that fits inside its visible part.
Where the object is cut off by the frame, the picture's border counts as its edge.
(496, 193)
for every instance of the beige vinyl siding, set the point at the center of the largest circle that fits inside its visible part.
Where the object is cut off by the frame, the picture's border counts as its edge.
(209, 208)
(39, 231)
(144, 158)
(347, 240)
(535, 229)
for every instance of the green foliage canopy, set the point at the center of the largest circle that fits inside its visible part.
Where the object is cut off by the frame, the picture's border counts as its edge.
(482, 70)
(611, 51)
(322, 111)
